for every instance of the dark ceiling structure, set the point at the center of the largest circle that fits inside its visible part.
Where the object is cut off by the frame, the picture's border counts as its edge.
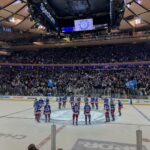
(25, 34)
(14, 13)
(77, 15)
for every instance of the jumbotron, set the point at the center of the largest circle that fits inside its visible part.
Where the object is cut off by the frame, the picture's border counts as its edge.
(71, 16)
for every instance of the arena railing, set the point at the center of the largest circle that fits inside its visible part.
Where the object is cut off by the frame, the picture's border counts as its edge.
(102, 65)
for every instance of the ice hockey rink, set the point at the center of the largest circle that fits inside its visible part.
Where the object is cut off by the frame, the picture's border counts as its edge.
(18, 129)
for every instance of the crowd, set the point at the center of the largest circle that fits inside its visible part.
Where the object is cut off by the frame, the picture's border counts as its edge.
(77, 81)
(34, 81)
(82, 55)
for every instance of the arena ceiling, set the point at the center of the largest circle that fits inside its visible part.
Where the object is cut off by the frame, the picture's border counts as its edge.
(14, 13)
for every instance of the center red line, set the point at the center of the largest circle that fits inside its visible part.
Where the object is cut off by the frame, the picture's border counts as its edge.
(48, 138)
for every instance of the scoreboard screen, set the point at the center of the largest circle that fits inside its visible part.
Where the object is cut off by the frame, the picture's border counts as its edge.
(84, 25)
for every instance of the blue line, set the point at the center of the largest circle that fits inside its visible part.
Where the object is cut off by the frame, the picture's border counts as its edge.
(141, 113)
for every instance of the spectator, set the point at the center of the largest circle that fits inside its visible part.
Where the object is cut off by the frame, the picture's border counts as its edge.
(32, 147)
(34, 81)
(104, 80)
(96, 54)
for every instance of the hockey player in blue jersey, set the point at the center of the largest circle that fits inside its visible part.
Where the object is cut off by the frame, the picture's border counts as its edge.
(64, 100)
(112, 110)
(96, 102)
(106, 101)
(72, 101)
(120, 106)
(107, 109)
(47, 100)
(37, 111)
(75, 109)
(59, 100)
(79, 101)
(41, 102)
(35, 102)
(47, 112)
(86, 100)
(87, 113)
(92, 102)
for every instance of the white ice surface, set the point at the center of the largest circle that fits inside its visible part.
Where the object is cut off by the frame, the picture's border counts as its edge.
(16, 119)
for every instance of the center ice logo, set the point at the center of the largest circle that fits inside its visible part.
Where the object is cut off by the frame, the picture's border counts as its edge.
(65, 117)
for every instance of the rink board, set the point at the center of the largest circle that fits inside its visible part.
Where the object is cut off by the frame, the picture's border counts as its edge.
(53, 99)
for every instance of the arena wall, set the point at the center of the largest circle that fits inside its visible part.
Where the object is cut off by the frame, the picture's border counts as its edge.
(53, 99)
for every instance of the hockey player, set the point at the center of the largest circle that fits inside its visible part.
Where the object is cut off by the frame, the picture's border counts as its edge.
(57, 99)
(92, 102)
(86, 100)
(37, 111)
(96, 102)
(75, 115)
(35, 102)
(106, 101)
(47, 100)
(59, 102)
(87, 113)
(79, 101)
(72, 101)
(120, 106)
(47, 112)
(64, 99)
(41, 102)
(107, 112)
(112, 110)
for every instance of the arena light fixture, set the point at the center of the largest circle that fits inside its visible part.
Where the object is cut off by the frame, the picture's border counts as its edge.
(4, 52)
(17, 2)
(40, 27)
(38, 43)
(67, 39)
(139, 1)
(138, 21)
(26, 9)
(14, 20)
(128, 5)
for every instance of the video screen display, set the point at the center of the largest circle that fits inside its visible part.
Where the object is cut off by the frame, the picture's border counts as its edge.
(84, 25)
